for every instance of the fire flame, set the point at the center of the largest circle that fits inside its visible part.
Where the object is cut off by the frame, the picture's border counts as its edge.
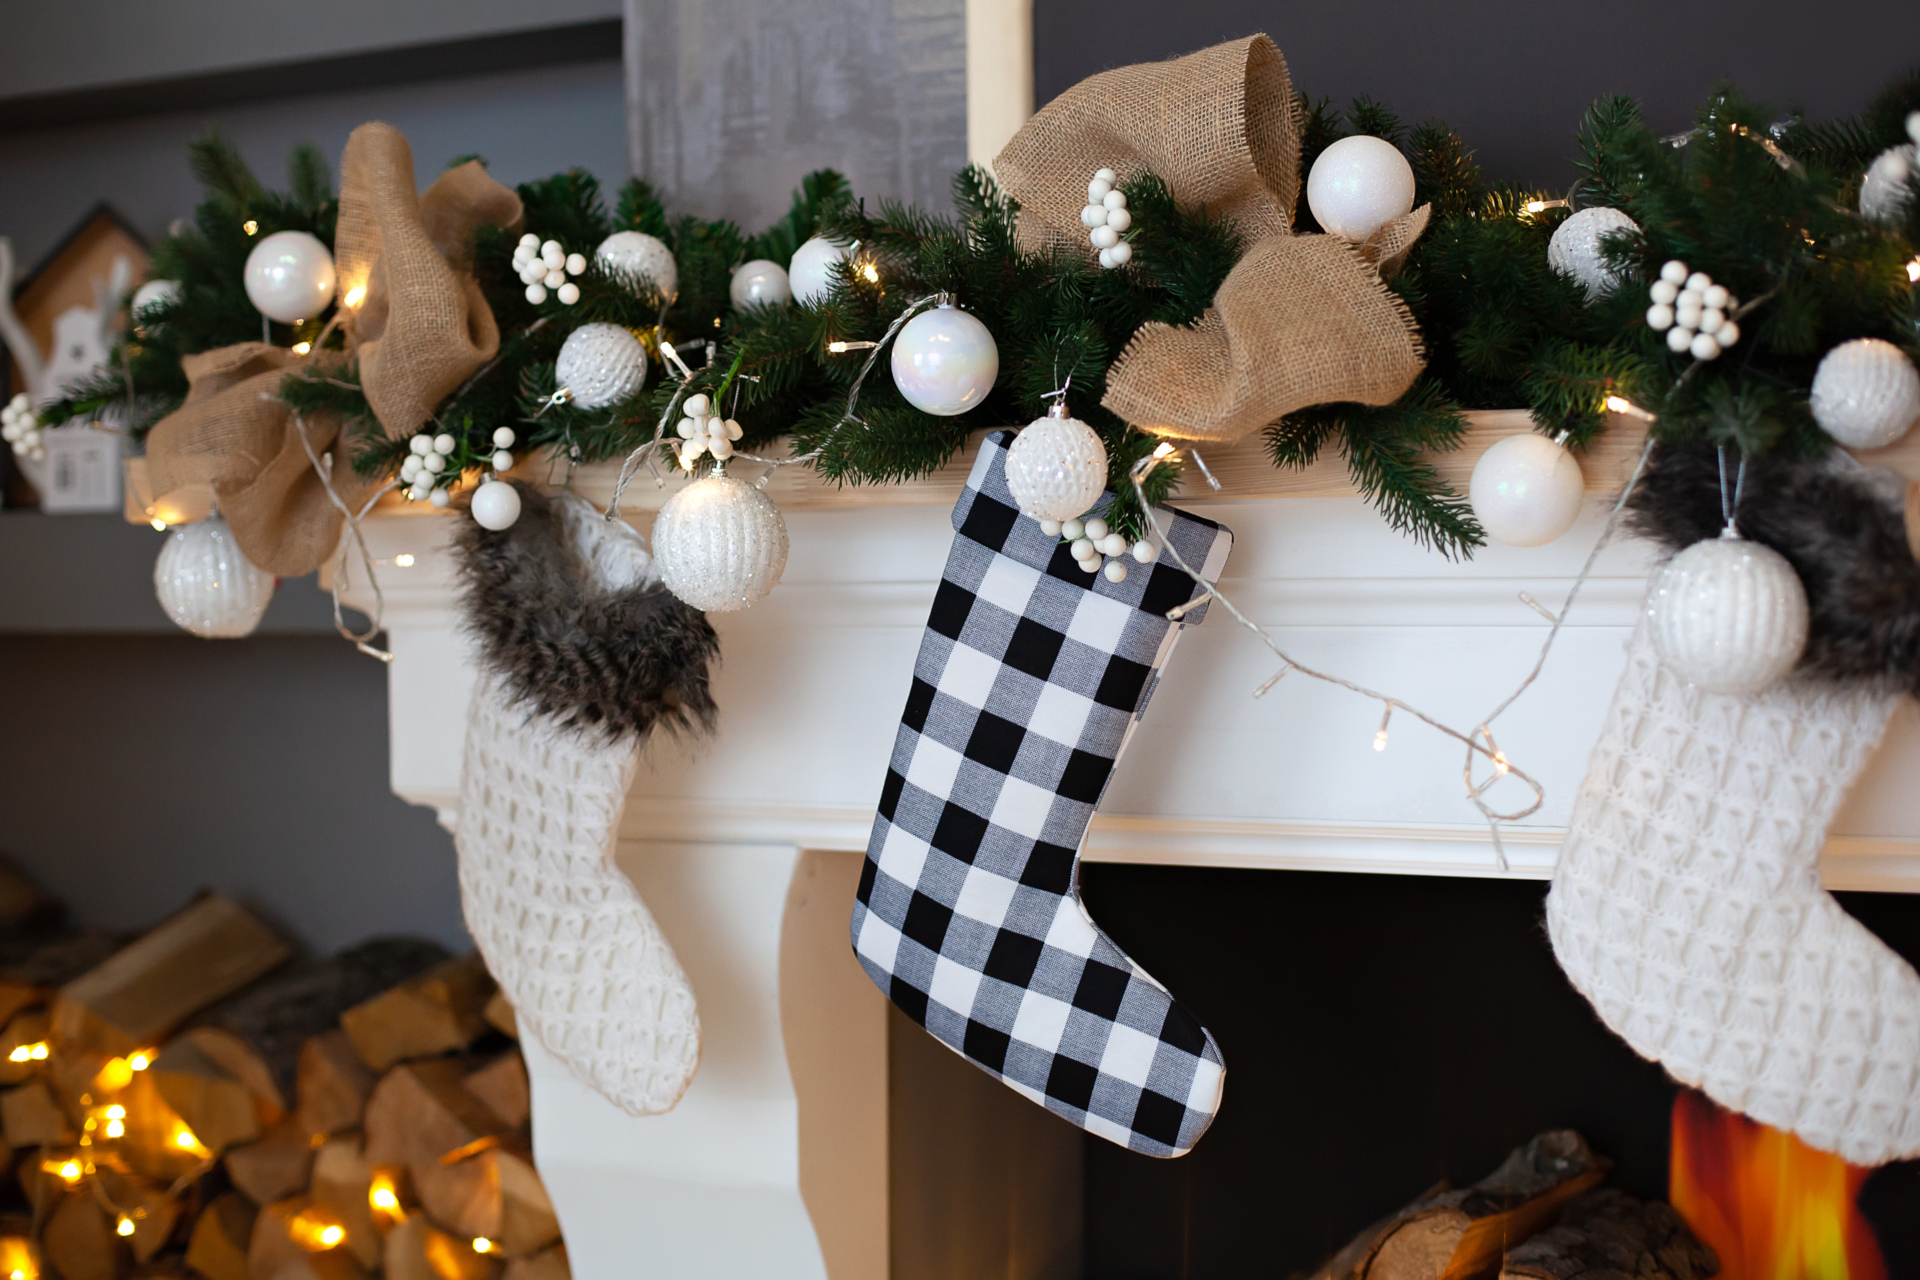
(1772, 1207)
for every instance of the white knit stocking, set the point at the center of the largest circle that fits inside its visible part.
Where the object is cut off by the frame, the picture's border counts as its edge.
(563, 931)
(1687, 907)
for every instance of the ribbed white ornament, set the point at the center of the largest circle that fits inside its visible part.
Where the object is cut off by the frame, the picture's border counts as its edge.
(720, 544)
(1575, 248)
(1056, 467)
(601, 364)
(1728, 616)
(1866, 393)
(206, 585)
(636, 257)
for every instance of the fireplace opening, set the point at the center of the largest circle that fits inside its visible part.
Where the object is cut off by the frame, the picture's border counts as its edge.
(1385, 1033)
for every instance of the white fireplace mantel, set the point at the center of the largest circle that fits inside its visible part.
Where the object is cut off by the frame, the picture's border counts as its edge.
(749, 840)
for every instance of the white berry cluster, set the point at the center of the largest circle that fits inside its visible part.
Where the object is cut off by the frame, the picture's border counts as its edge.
(1692, 311)
(1090, 540)
(547, 266)
(1106, 219)
(704, 431)
(20, 427)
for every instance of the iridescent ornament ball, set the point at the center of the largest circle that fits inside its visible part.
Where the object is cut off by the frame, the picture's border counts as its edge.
(289, 277)
(945, 361)
(760, 283)
(810, 273)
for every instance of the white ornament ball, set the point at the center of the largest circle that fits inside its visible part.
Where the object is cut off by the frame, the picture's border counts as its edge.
(496, 505)
(810, 274)
(503, 437)
(289, 276)
(636, 256)
(1866, 393)
(1358, 185)
(601, 364)
(206, 585)
(1728, 616)
(1883, 189)
(1575, 249)
(760, 283)
(1526, 490)
(945, 362)
(154, 293)
(720, 544)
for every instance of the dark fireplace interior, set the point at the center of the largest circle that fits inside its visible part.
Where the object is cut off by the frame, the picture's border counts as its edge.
(1381, 1033)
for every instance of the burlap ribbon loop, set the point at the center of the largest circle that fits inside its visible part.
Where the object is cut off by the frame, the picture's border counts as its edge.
(418, 325)
(1300, 320)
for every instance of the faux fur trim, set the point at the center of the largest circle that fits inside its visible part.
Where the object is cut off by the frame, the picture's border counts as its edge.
(1839, 524)
(622, 660)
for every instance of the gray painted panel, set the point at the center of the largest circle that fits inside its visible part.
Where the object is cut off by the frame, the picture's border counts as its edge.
(733, 101)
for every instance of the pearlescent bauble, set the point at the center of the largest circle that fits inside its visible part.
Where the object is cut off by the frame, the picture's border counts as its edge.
(206, 585)
(1575, 248)
(637, 257)
(719, 544)
(1883, 189)
(1728, 616)
(601, 364)
(1358, 185)
(154, 293)
(810, 274)
(760, 283)
(289, 276)
(496, 505)
(1866, 393)
(1526, 490)
(945, 361)
(1056, 468)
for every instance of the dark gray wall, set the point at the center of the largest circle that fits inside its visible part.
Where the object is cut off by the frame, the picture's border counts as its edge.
(1513, 76)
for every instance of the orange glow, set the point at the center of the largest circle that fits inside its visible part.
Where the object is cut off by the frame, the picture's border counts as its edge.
(315, 1230)
(1772, 1207)
(19, 1260)
(182, 1139)
(384, 1197)
(116, 1075)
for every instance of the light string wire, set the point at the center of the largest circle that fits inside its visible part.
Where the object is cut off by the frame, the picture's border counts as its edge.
(375, 624)
(1480, 740)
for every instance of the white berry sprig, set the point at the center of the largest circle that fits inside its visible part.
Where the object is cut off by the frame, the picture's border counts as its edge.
(20, 427)
(1693, 311)
(704, 431)
(547, 266)
(1089, 539)
(1107, 219)
(425, 469)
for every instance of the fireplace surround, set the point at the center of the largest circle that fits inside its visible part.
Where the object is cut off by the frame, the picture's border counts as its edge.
(1389, 1030)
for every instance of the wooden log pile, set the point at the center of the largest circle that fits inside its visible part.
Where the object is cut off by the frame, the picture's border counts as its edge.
(196, 1102)
(1542, 1215)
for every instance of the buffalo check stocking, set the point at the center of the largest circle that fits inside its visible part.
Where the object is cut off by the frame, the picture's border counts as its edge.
(1030, 679)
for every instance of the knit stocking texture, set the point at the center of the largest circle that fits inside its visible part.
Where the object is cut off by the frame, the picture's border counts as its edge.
(570, 942)
(1687, 907)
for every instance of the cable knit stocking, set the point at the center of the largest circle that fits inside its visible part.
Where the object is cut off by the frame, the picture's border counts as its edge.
(541, 794)
(1687, 907)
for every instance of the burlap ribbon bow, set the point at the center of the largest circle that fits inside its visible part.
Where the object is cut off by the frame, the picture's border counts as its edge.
(415, 320)
(1300, 320)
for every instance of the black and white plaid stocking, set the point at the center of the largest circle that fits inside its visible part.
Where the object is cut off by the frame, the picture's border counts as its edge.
(1030, 679)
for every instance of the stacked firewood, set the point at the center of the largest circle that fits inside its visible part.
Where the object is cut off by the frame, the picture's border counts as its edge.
(197, 1102)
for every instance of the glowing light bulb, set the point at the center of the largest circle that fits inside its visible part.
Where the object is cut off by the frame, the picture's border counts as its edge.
(1913, 271)
(1163, 449)
(355, 296)
(71, 1171)
(331, 1236)
(404, 560)
(251, 227)
(183, 1139)
(1500, 762)
(115, 1128)
(301, 348)
(140, 1061)
(1380, 737)
(22, 1054)
(159, 525)
(482, 1245)
(872, 275)
(1536, 206)
(837, 348)
(124, 1226)
(383, 1198)
(116, 1112)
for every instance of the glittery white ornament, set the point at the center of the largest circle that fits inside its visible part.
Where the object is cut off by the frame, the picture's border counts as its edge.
(1866, 393)
(719, 544)
(1728, 615)
(636, 256)
(760, 283)
(155, 294)
(1575, 248)
(945, 361)
(206, 585)
(810, 274)
(496, 505)
(601, 364)
(1883, 189)
(1526, 490)
(289, 276)
(1056, 467)
(1358, 185)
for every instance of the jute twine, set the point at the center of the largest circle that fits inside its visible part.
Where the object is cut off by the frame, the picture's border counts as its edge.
(1300, 320)
(419, 330)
